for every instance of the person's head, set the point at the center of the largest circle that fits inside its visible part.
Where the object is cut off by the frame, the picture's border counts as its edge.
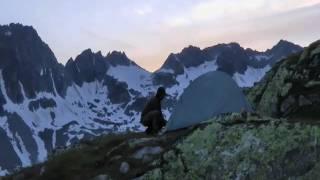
(161, 93)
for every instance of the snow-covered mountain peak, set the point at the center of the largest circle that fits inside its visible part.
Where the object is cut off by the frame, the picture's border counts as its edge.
(282, 49)
(118, 58)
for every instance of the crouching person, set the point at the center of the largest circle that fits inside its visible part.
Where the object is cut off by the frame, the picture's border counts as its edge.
(152, 116)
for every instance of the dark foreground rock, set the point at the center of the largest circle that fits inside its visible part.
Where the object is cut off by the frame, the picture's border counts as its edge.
(114, 156)
(292, 88)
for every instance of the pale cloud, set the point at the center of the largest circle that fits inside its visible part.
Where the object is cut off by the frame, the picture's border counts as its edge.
(246, 9)
(287, 5)
(177, 21)
(144, 10)
(216, 9)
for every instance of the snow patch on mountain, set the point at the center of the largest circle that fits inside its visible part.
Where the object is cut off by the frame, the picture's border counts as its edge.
(261, 57)
(250, 76)
(42, 152)
(83, 105)
(189, 75)
(89, 100)
(8, 33)
(165, 70)
(30, 119)
(21, 149)
(3, 172)
(135, 77)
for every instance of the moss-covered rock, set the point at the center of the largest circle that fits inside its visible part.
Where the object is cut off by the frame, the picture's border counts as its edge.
(277, 95)
(312, 84)
(273, 150)
(316, 51)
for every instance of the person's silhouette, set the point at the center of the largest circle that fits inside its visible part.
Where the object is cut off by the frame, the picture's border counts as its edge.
(152, 116)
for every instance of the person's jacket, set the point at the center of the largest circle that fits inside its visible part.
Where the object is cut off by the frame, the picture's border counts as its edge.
(154, 104)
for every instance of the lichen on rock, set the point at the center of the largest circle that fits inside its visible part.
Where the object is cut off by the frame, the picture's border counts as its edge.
(267, 151)
(278, 94)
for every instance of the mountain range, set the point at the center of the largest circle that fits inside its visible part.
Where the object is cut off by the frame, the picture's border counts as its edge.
(45, 105)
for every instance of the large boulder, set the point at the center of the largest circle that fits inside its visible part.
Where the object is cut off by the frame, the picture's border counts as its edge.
(287, 89)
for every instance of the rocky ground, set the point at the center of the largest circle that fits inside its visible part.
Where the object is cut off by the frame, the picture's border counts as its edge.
(228, 147)
(120, 156)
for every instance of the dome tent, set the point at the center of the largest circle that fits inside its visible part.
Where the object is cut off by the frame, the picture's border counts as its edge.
(209, 95)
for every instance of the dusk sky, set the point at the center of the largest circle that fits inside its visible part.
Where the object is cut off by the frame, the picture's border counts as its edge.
(148, 30)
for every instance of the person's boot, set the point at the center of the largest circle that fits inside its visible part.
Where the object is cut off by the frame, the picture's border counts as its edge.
(148, 131)
(162, 131)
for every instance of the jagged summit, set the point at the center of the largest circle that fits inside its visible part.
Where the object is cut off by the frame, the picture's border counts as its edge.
(228, 45)
(16, 29)
(118, 58)
(223, 47)
(89, 55)
(25, 41)
(87, 67)
(285, 46)
(172, 63)
(70, 60)
(230, 58)
(27, 63)
(282, 47)
(190, 49)
(283, 43)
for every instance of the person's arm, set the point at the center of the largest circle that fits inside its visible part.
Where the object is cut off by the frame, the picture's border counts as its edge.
(147, 108)
(161, 114)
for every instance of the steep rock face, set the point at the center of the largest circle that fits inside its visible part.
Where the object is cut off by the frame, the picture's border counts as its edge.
(232, 59)
(117, 91)
(119, 58)
(282, 49)
(192, 56)
(8, 157)
(173, 63)
(28, 63)
(165, 79)
(292, 87)
(87, 67)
